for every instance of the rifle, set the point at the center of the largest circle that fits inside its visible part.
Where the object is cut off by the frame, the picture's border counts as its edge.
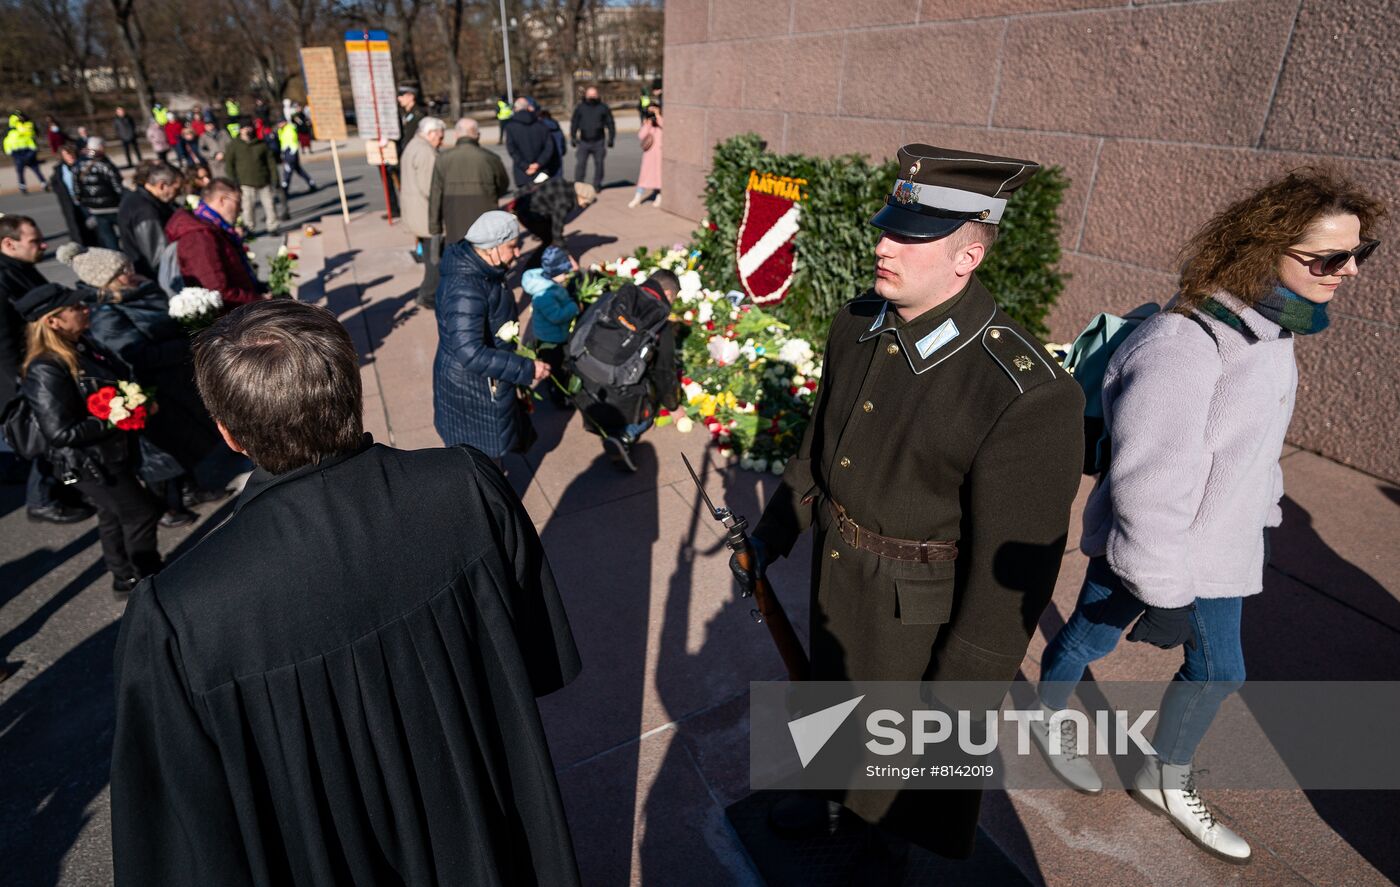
(769, 610)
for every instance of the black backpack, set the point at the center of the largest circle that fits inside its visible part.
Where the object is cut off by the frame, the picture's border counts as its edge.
(614, 341)
(21, 428)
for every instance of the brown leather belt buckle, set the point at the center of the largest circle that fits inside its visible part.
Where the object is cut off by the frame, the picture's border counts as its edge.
(886, 547)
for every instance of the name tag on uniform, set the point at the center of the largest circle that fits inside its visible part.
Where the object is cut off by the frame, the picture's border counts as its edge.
(947, 331)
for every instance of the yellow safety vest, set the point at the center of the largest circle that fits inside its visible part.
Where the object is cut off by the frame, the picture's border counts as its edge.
(287, 138)
(646, 102)
(161, 115)
(503, 111)
(231, 109)
(21, 135)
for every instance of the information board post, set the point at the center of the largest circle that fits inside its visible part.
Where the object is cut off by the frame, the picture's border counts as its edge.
(372, 82)
(324, 103)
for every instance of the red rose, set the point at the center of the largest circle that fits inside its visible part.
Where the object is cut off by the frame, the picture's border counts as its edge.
(99, 403)
(135, 422)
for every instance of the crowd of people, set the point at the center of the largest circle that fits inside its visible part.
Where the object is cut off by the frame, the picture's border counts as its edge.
(60, 346)
(260, 151)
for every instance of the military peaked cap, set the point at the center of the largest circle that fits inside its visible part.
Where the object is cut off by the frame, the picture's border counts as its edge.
(938, 189)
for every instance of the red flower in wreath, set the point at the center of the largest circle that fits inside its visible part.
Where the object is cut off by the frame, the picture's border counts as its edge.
(135, 422)
(99, 403)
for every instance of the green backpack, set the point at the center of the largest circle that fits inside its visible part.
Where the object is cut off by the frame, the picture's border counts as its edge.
(1087, 361)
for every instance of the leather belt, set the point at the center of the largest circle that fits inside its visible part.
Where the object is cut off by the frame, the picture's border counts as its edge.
(857, 536)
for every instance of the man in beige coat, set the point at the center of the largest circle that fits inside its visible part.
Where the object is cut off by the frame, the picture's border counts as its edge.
(415, 183)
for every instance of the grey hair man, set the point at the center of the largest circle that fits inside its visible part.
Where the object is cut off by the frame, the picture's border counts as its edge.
(415, 185)
(142, 215)
(468, 180)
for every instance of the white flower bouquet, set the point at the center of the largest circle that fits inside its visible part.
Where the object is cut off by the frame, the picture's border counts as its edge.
(195, 308)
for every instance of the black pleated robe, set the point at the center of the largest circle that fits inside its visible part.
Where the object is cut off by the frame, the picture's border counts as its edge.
(337, 686)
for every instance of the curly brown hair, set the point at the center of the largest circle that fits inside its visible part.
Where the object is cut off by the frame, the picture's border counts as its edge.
(1239, 248)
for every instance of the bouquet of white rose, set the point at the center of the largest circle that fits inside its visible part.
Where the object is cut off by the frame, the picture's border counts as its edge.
(195, 308)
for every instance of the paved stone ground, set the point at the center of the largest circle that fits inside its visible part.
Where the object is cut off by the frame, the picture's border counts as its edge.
(651, 740)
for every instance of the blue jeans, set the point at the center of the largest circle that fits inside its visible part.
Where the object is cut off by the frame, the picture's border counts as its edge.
(39, 491)
(1209, 673)
(635, 430)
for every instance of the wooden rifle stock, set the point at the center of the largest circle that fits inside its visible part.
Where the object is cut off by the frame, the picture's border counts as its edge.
(770, 611)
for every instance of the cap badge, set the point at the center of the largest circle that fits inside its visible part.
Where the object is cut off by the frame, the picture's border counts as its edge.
(914, 168)
(1023, 363)
(984, 213)
(906, 193)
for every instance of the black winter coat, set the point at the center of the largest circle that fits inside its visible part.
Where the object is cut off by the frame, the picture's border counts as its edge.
(140, 331)
(73, 218)
(100, 185)
(591, 122)
(16, 279)
(528, 141)
(475, 373)
(78, 441)
(337, 687)
(141, 224)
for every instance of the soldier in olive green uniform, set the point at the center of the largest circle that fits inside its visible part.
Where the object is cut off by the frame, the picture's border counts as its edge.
(937, 473)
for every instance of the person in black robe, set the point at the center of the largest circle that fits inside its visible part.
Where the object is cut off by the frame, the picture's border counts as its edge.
(337, 685)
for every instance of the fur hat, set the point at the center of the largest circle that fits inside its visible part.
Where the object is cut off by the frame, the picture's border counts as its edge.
(96, 267)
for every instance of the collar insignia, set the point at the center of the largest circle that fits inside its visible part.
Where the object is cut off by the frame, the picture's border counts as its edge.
(946, 332)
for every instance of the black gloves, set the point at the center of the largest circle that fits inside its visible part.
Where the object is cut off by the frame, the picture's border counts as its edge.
(760, 564)
(610, 143)
(1166, 627)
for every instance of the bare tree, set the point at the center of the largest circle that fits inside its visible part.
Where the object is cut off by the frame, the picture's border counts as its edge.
(564, 21)
(449, 19)
(134, 42)
(69, 26)
(406, 15)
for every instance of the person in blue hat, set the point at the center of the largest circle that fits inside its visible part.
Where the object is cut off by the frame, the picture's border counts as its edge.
(554, 312)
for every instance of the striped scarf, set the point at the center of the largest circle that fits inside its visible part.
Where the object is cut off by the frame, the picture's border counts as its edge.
(207, 213)
(1283, 307)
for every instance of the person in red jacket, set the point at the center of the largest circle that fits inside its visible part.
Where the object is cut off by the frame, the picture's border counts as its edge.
(210, 249)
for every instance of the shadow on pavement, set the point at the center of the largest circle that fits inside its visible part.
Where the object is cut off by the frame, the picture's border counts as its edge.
(601, 801)
(56, 740)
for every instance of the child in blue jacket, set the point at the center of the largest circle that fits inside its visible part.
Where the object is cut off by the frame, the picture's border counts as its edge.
(554, 313)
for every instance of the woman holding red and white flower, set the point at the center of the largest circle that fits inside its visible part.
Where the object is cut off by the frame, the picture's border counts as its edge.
(87, 414)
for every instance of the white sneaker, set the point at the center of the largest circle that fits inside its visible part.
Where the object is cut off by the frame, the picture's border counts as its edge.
(1170, 789)
(636, 202)
(1075, 769)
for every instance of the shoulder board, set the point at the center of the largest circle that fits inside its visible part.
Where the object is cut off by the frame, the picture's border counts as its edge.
(1024, 360)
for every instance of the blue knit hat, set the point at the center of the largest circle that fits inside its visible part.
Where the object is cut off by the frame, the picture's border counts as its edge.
(555, 261)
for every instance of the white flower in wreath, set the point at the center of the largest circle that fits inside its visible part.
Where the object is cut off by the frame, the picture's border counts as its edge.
(192, 301)
(705, 313)
(508, 331)
(685, 424)
(749, 351)
(760, 465)
(795, 352)
(723, 351)
(745, 463)
(690, 284)
(692, 390)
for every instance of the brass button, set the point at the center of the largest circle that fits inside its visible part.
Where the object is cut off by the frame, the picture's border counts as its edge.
(867, 406)
(845, 462)
(892, 348)
(835, 555)
(995, 334)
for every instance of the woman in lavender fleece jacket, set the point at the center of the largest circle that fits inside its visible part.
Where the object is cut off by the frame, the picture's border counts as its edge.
(1197, 402)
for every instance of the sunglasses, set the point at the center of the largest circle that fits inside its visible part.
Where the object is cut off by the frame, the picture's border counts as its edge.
(1328, 264)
